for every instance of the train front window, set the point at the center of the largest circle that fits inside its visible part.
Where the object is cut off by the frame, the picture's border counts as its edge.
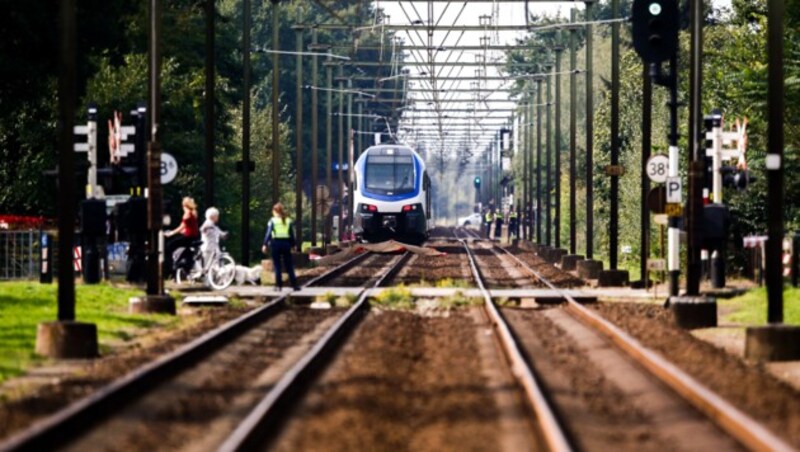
(389, 174)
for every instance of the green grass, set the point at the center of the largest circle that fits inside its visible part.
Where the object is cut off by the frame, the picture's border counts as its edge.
(23, 305)
(751, 307)
(395, 298)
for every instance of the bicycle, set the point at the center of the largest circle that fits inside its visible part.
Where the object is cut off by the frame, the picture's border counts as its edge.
(219, 273)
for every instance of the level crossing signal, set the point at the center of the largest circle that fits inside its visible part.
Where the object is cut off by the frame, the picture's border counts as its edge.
(655, 29)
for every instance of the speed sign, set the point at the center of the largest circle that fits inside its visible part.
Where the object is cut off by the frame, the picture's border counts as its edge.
(658, 168)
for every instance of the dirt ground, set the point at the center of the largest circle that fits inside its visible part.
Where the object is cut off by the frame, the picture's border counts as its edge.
(368, 270)
(22, 405)
(749, 386)
(405, 382)
(428, 270)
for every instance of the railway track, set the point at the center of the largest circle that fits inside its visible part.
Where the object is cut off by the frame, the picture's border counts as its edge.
(583, 322)
(229, 347)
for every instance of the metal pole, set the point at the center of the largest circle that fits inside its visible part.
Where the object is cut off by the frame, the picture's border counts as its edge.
(573, 115)
(360, 137)
(539, 160)
(673, 234)
(245, 135)
(647, 120)
(350, 158)
(548, 162)
(695, 202)
(775, 137)
(155, 283)
(613, 221)
(526, 156)
(329, 149)
(531, 177)
(209, 97)
(589, 135)
(298, 137)
(66, 157)
(341, 136)
(557, 214)
(314, 139)
(276, 157)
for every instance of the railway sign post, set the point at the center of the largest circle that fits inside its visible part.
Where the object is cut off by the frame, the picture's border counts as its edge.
(657, 168)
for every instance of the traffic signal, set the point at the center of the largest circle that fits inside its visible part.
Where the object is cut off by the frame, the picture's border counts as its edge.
(737, 178)
(655, 29)
(477, 182)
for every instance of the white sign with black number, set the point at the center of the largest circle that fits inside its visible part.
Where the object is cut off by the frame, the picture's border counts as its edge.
(169, 168)
(658, 168)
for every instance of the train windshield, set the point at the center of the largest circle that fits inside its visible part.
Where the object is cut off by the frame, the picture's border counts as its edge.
(389, 174)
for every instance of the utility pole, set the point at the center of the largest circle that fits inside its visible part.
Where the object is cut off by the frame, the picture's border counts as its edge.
(548, 160)
(276, 153)
(329, 149)
(341, 137)
(573, 115)
(526, 156)
(557, 215)
(210, 14)
(589, 132)
(539, 161)
(245, 166)
(298, 137)
(314, 138)
(696, 167)
(647, 121)
(66, 338)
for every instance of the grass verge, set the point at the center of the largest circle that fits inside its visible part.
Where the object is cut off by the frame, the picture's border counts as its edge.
(751, 307)
(23, 305)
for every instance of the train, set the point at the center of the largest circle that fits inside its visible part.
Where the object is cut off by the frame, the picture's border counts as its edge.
(391, 195)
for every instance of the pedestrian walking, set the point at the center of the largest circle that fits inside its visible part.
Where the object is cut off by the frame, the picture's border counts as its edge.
(513, 224)
(498, 224)
(487, 222)
(279, 240)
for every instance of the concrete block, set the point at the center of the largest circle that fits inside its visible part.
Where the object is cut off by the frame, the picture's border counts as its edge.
(66, 340)
(556, 254)
(544, 252)
(152, 304)
(777, 342)
(613, 278)
(589, 268)
(693, 311)
(569, 262)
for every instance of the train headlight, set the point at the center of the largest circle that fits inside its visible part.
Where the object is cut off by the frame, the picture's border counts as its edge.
(369, 208)
(411, 207)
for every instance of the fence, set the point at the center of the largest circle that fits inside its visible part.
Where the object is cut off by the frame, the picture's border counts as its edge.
(19, 255)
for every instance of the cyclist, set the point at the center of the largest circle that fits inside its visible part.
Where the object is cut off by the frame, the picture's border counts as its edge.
(280, 240)
(211, 233)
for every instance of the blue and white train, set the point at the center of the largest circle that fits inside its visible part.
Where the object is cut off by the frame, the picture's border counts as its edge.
(391, 196)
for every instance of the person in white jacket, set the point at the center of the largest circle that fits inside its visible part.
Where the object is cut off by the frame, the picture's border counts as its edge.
(211, 234)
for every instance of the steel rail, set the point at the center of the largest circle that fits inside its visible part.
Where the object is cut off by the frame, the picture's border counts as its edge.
(267, 416)
(744, 429)
(78, 417)
(551, 430)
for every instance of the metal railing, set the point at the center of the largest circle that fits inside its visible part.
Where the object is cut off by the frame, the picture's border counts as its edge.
(19, 255)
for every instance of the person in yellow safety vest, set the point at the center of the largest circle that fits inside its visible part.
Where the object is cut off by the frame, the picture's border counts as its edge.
(498, 224)
(279, 239)
(487, 220)
(513, 224)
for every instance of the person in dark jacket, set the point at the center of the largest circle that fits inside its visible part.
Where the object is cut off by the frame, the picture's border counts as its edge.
(279, 239)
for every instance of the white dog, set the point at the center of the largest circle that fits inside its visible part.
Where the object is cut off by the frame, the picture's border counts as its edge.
(248, 275)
